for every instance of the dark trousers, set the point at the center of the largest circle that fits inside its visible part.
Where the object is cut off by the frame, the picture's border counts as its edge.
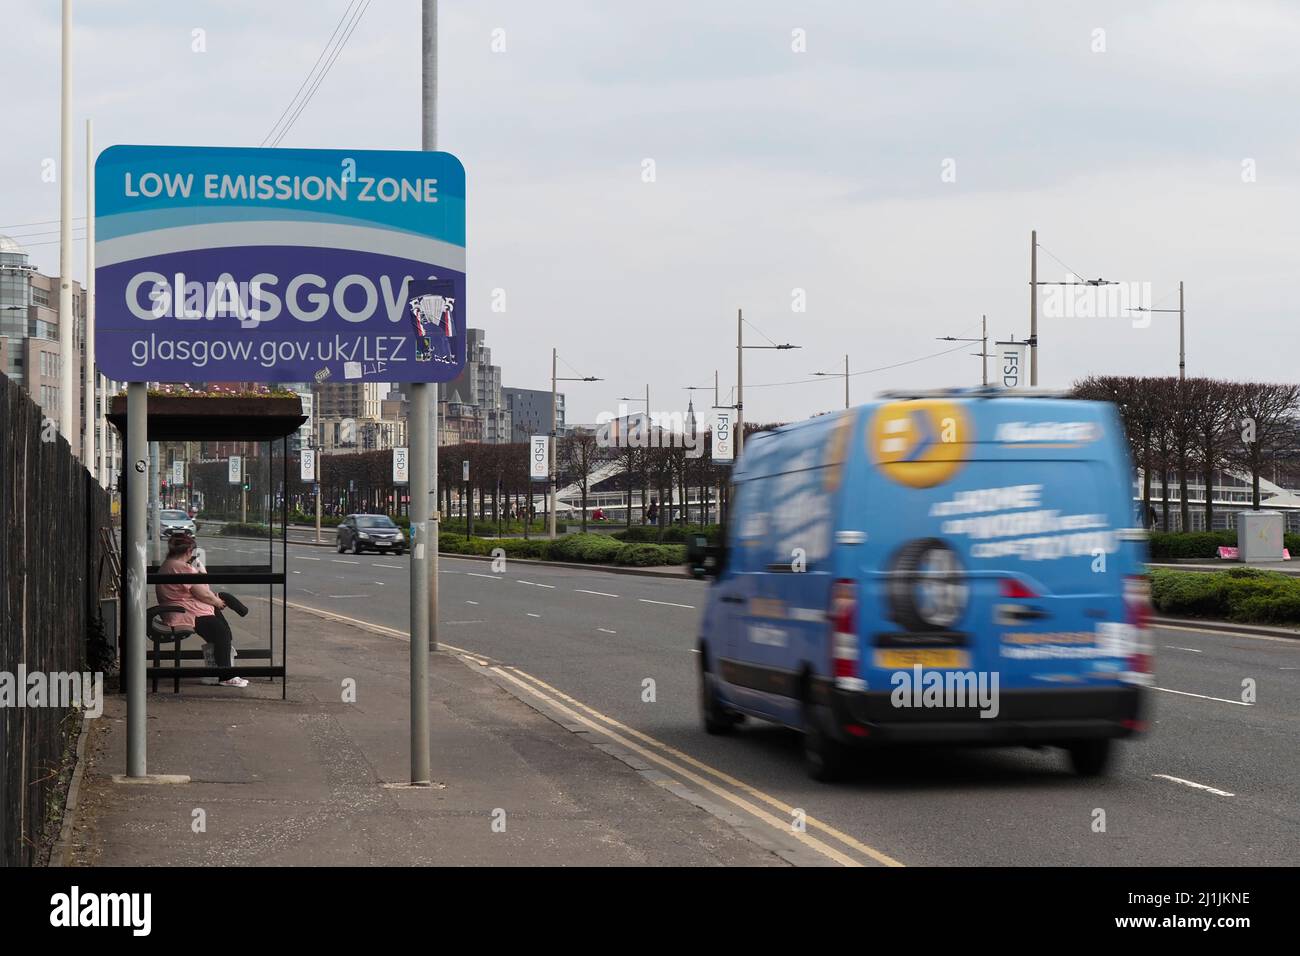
(214, 629)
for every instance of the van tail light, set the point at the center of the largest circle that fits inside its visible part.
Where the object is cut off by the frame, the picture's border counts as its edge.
(843, 614)
(1011, 588)
(1137, 614)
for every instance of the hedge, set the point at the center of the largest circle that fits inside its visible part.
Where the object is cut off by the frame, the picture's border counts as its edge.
(582, 548)
(1175, 545)
(673, 534)
(1244, 595)
(237, 529)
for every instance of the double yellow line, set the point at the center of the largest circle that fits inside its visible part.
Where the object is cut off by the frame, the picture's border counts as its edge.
(670, 758)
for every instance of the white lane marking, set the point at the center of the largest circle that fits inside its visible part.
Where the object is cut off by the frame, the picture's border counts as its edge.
(666, 603)
(599, 593)
(490, 577)
(380, 583)
(302, 558)
(1194, 785)
(531, 614)
(1249, 637)
(341, 561)
(305, 591)
(348, 595)
(606, 630)
(535, 584)
(297, 572)
(378, 565)
(462, 622)
(1190, 650)
(1221, 700)
(475, 603)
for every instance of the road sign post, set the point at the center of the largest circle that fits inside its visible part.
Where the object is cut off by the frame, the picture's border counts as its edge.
(274, 265)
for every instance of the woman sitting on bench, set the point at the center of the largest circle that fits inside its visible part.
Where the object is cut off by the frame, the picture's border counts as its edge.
(202, 606)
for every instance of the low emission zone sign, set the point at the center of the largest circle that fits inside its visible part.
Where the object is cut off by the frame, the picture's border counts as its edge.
(279, 265)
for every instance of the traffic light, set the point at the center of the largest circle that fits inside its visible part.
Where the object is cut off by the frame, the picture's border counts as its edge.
(246, 486)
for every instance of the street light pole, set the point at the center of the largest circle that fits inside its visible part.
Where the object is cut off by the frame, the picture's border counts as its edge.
(67, 322)
(555, 437)
(740, 382)
(90, 419)
(1182, 338)
(1033, 309)
(740, 375)
(845, 373)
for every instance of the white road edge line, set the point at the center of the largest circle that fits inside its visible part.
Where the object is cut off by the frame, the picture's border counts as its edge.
(666, 603)
(377, 565)
(535, 584)
(1193, 784)
(599, 593)
(1221, 700)
(490, 577)
(606, 630)
(341, 561)
(531, 614)
(1190, 650)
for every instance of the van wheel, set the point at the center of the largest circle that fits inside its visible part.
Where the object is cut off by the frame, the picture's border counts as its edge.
(1089, 758)
(826, 759)
(717, 719)
(338, 545)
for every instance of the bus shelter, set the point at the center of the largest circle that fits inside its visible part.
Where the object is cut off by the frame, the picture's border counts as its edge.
(235, 468)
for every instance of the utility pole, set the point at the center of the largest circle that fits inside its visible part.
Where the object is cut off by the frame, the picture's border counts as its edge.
(424, 464)
(67, 322)
(90, 420)
(553, 478)
(1033, 309)
(983, 339)
(984, 347)
(1182, 342)
(1182, 338)
(845, 373)
(740, 382)
(740, 374)
(550, 520)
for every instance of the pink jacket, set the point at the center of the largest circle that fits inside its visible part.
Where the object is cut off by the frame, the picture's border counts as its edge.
(183, 595)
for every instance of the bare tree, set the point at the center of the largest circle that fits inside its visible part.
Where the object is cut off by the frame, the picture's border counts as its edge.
(579, 453)
(1264, 416)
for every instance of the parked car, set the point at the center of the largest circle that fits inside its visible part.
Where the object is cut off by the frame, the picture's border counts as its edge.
(369, 533)
(959, 567)
(172, 521)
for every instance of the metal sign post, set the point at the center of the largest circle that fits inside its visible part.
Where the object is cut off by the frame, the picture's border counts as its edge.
(339, 265)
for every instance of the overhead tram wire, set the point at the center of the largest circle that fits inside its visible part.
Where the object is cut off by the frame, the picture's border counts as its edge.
(352, 26)
(307, 79)
(865, 371)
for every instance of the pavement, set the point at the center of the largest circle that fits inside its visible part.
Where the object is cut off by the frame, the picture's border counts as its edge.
(314, 780)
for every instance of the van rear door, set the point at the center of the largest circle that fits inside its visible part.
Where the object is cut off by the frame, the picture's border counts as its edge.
(1007, 555)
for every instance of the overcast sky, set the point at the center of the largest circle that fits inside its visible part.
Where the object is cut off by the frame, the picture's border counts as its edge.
(775, 170)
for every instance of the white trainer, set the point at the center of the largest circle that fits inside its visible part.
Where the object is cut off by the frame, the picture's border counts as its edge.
(234, 682)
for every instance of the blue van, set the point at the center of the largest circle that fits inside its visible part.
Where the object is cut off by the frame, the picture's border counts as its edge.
(944, 567)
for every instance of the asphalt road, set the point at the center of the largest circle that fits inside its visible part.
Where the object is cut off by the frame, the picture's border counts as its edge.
(1216, 782)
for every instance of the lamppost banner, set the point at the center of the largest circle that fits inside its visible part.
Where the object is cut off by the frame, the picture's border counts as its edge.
(1011, 364)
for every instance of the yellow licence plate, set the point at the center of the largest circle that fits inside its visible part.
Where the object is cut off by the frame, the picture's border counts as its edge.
(933, 657)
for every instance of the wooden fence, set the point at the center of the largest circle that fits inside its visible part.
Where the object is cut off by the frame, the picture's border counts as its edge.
(51, 511)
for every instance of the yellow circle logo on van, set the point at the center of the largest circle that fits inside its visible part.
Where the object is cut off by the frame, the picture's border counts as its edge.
(921, 443)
